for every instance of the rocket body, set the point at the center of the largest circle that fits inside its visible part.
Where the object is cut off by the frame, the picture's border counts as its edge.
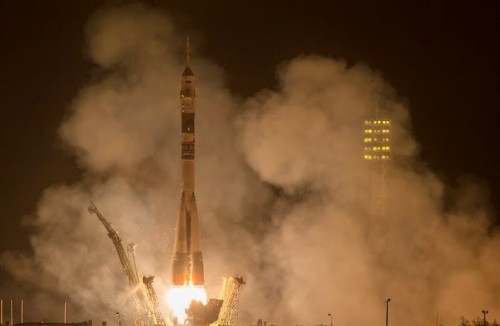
(187, 264)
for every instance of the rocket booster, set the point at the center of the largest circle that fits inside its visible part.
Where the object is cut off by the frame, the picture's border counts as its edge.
(187, 264)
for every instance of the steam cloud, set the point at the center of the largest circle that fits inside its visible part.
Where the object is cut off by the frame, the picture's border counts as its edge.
(284, 195)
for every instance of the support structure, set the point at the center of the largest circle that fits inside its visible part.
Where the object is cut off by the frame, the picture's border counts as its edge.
(377, 150)
(145, 301)
(229, 294)
(387, 311)
(377, 153)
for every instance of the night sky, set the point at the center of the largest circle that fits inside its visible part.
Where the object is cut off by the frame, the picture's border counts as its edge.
(442, 57)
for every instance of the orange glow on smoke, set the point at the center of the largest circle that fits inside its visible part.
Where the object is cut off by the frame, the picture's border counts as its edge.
(180, 297)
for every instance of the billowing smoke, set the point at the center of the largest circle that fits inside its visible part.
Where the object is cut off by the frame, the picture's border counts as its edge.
(283, 192)
(332, 256)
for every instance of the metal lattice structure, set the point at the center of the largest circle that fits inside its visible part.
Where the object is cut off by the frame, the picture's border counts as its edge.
(146, 302)
(153, 298)
(229, 293)
(377, 154)
(377, 150)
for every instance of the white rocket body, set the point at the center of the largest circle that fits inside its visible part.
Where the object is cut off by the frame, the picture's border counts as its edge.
(187, 265)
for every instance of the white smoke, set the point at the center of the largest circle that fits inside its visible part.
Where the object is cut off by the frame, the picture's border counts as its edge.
(283, 192)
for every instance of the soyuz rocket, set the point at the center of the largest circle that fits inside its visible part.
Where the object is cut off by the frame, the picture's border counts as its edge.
(187, 264)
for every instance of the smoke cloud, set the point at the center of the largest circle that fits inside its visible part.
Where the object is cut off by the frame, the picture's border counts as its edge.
(283, 193)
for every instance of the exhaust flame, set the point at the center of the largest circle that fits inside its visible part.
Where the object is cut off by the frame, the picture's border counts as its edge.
(180, 297)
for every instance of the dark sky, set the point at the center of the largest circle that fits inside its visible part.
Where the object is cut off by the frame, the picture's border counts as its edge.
(441, 56)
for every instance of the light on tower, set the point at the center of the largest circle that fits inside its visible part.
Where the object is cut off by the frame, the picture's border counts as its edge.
(377, 138)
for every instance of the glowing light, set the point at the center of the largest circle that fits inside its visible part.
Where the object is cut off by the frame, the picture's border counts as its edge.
(376, 138)
(180, 297)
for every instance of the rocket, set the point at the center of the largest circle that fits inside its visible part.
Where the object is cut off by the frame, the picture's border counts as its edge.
(187, 264)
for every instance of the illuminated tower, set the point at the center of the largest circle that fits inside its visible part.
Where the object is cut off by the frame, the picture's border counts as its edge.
(377, 150)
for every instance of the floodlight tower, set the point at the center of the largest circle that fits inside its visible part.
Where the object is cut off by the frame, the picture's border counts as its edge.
(377, 152)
